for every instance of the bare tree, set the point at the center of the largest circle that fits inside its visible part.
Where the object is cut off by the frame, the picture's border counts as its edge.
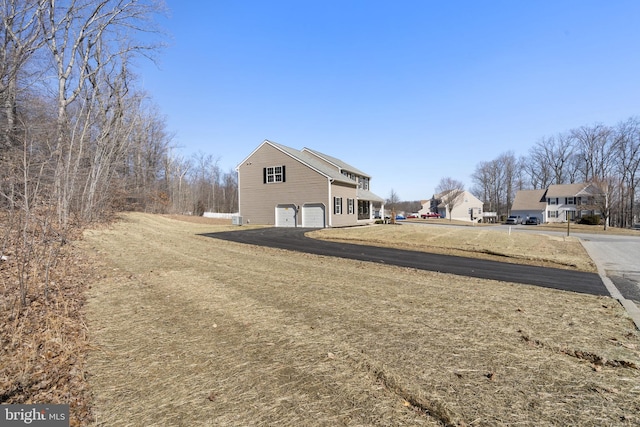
(604, 194)
(627, 149)
(176, 168)
(551, 155)
(449, 192)
(594, 144)
(608, 157)
(490, 182)
(85, 37)
(229, 189)
(392, 202)
(20, 38)
(509, 166)
(538, 169)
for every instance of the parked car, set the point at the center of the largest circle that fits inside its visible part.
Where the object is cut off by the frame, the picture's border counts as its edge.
(532, 220)
(514, 219)
(430, 215)
(413, 215)
(398, 217)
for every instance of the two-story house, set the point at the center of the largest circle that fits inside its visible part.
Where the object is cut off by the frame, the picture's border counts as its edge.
(285, 187)
(557, 203)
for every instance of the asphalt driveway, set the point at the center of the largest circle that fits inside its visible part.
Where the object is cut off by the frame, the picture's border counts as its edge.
(295, 240)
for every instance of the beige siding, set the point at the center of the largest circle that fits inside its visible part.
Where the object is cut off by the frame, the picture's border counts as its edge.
(461, 210)
(258, 200)
(344, 219)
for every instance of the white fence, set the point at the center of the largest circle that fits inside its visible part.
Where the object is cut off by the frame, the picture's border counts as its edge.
(220, 215)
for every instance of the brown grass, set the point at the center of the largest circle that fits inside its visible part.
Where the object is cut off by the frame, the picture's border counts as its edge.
(191, 330)
(477, 242)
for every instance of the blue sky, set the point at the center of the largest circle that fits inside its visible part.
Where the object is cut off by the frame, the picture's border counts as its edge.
(407, 91)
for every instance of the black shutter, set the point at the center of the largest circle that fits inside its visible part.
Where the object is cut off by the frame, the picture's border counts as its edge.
(283, 176)
(264, 175)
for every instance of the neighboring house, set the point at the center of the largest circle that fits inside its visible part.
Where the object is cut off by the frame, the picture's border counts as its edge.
(557, 203)
(466, 206)
(529, 203)
(285, 187)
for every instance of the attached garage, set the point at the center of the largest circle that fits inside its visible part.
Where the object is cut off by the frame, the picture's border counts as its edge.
(313, 215)
(286, 216)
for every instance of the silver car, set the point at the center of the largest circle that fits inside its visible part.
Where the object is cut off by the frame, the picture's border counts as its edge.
(514, 219)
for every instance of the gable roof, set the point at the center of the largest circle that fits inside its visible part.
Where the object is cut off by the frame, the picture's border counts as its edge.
(310, 160)
(457, 192)
(336, 162)
(570, 190)
(529, 200)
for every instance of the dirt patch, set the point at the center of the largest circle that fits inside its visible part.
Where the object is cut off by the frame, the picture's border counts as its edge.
(476, 242)
(190, 330)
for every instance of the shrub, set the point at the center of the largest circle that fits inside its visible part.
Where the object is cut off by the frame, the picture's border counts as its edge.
(590, 220)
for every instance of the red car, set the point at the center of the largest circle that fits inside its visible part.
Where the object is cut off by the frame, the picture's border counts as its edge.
(430, 215)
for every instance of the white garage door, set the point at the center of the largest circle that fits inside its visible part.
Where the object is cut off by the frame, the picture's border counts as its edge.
(285, 216)
(313, 215)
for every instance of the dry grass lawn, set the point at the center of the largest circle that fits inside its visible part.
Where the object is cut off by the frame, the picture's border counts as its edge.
(191, 331)
(477, 242)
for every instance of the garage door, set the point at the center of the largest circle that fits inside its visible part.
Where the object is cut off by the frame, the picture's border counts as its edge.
(285, 216)
(313, 215)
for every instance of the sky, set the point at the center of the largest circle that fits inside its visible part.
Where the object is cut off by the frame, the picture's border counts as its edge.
(407, 91)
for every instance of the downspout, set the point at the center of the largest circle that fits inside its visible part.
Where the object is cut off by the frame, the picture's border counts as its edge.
(330, 204)
(239, 193)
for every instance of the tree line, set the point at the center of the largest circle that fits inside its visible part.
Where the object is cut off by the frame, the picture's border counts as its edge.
(606, 156)
(79, 138)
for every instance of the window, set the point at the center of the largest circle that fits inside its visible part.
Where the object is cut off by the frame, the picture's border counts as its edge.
(571, 200)
(337, 205)
(273, 174)
(349, 175)
(553, 201)
(363, 209)
(363, 183)
(552, 214)
(350, 206)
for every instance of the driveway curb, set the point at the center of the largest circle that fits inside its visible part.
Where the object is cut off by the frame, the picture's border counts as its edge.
(632, 309)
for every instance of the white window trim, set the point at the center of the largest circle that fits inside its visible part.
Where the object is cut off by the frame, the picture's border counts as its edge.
(337, 205)
(274, 174)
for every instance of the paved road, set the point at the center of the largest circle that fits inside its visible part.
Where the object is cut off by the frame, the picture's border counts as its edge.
(294, 239)
(617, 257)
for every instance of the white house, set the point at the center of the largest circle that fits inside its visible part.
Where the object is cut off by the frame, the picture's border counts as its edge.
(558, 203)
(466, 206)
